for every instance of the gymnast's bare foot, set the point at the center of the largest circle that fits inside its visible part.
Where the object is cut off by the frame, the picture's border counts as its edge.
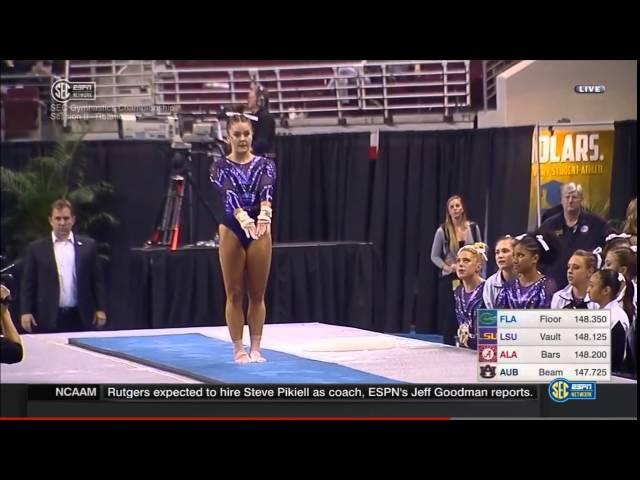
(241, 356)
(256, 356)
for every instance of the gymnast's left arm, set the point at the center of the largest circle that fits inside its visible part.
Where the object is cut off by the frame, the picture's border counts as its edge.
(267, 187)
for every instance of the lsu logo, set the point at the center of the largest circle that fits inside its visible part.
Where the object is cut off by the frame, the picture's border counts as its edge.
(562, 390)
(488, 336)
(488, 318)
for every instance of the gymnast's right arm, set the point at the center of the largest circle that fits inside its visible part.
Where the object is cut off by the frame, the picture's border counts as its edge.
(224, 186)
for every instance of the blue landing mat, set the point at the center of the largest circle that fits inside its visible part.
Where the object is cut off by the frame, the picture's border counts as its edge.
(210, 360)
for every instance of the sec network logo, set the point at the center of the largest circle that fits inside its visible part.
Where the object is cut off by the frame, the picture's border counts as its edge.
(63, 90)
(562, 390)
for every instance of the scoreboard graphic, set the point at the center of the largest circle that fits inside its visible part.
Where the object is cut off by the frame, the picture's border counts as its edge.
(544, 345)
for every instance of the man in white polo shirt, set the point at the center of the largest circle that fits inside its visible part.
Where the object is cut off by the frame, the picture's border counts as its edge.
(62, 284)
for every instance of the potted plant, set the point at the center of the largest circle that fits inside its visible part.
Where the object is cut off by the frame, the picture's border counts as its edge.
(29, 193)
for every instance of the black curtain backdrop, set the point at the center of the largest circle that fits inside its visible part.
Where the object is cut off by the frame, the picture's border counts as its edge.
(328, 190)
(312, 282)
(509, 183)
(624, 186)
(323, 188)
(416, 173)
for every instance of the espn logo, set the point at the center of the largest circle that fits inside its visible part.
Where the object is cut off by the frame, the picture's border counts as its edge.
(582, 387)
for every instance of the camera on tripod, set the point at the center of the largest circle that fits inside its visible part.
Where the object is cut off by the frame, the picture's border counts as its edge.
(199, 133)
(193, 137)
(181, 159)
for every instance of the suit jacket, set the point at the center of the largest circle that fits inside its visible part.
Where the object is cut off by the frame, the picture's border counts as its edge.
(40, 289)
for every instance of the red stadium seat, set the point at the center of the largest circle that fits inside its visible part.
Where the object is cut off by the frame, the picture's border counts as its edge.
(22, 111)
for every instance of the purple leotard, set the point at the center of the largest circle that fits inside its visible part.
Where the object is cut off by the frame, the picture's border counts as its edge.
(467, 304)
(536, 295)
(243, 186)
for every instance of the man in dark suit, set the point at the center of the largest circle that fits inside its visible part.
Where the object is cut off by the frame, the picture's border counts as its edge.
(62, 285)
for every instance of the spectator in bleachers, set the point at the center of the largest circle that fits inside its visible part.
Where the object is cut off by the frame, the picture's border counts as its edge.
(576, 229)
(264, 129)
(42, 67)
(345, 80)
(496, 282)
(399, 72)
(351, 84)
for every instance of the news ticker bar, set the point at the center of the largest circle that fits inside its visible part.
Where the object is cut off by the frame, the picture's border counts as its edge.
(295, 393)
